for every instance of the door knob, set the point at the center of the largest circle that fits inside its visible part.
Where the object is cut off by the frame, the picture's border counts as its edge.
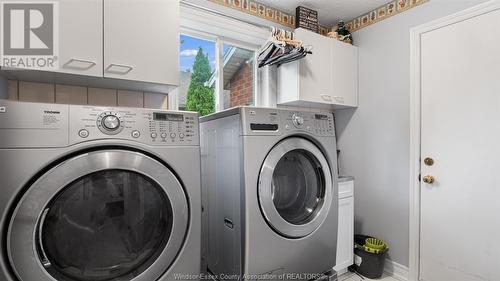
(429, 179)
(429, 161)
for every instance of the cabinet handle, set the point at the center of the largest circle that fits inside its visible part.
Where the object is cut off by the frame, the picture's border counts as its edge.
(125, 68)
(325, 97)
(73, 60)
(339, 99)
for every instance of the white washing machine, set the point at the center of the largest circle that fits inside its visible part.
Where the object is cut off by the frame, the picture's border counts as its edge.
(269, 194)
(96, 193)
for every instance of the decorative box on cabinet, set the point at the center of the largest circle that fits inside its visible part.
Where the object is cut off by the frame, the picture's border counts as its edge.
(345, 236)
(327, 78)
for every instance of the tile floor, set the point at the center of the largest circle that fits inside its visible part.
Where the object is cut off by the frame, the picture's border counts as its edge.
(353, 277)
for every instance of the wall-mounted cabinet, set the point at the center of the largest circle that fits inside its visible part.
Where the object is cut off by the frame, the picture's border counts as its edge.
(135, 43)
(327, 78)
(141, 40)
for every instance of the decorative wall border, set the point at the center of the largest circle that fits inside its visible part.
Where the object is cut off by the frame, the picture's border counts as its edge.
(383, 12)
(265, 12)
(257, 9)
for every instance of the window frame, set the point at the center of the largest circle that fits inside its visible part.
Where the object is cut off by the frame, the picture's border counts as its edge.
(212, 27)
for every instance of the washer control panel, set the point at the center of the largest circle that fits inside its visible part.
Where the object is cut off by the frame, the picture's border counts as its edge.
(318, 124)
(266, 121)
(155, 127)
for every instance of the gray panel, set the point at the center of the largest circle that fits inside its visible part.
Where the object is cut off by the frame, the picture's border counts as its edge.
(151, 131)
(221, 185)
(33, 124)
(53, 125)
(318, 124)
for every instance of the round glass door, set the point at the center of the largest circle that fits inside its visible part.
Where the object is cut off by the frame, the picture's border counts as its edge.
(105, 215)
(295, 188)
(298, 187)
(126, 223)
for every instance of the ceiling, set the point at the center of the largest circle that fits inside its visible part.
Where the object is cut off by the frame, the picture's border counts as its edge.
(329, 11)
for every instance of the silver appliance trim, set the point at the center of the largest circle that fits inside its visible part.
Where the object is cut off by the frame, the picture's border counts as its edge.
(265, 189)
(21, 246)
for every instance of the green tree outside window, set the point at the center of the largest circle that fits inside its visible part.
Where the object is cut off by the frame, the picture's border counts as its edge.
(200, 98)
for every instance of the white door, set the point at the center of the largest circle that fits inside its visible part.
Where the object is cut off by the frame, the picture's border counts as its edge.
(460, 131)
(141, 40)
(80, 37)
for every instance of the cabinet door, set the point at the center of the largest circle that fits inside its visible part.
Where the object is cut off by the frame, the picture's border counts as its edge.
(345, 238)
(141, 40)
(345, 73)
(80, 36)
(315, 69)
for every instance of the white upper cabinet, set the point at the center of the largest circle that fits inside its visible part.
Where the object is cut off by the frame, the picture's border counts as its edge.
(315, 71)
(141, 40)
(80, 37)
(327, 78)
(344, 74)
(136, 42)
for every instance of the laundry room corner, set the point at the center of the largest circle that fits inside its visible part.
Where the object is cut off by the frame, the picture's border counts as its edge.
(373, 138)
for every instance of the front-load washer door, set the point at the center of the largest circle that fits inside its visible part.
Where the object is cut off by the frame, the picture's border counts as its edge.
(295, 187)
(102, 215)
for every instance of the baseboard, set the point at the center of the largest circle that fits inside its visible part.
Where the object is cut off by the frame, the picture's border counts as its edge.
(396, 270)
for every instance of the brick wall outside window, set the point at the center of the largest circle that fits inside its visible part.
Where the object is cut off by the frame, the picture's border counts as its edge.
(241, 86)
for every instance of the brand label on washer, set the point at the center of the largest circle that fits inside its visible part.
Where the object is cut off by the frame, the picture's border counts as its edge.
(51, 117)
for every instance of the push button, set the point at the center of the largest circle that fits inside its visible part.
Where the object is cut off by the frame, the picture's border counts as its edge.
(136, 134)
(83, 133)
(154, 135)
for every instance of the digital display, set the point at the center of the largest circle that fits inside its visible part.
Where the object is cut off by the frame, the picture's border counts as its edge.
(168, 117)
(321, 117)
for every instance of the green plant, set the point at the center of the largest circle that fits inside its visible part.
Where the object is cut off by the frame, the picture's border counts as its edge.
(200, 98)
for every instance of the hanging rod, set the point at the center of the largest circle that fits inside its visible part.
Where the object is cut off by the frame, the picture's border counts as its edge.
(199, 7)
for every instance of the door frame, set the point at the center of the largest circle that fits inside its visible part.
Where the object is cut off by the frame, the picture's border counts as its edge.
(415, 121)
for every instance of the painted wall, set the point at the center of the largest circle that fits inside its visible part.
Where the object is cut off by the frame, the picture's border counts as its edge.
(374, 139)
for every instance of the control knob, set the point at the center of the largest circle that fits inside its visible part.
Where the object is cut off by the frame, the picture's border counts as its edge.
(111, 122)
(297, 120)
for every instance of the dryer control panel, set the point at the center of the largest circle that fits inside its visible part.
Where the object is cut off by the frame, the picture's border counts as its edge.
(269, 121)
(154, 127)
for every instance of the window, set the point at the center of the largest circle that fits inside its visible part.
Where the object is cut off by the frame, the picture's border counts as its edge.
(230, 45)
(215, 75)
